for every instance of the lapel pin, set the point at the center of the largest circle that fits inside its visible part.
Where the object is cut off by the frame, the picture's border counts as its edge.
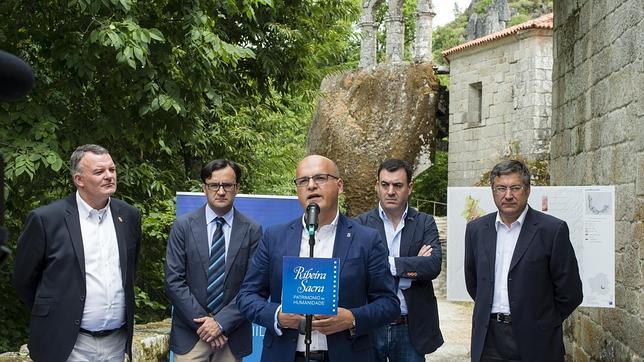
(120, 219)
(348, 235)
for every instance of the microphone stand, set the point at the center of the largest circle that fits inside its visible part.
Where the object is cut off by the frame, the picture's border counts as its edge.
(309, 317)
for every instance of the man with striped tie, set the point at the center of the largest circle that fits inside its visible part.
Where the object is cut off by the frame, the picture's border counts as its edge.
(207, 256)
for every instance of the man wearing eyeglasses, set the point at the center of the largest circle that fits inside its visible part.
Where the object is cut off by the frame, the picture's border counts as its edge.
(207, 256)
(366, 300)
(521, 271)
(414, 260)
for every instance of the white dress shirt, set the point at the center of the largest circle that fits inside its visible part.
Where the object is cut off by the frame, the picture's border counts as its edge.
(506, 241)
(104, 297)
(393, 242)
(212, 226)
(324, 241)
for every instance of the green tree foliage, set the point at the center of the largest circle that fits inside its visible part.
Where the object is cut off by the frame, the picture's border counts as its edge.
(431, 185)
(448, 36)
(165, 85)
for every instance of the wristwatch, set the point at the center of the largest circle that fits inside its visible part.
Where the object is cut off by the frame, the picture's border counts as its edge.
(352, 330)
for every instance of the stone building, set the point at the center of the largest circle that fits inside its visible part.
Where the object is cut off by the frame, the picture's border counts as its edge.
(598, 139)
(500, 99)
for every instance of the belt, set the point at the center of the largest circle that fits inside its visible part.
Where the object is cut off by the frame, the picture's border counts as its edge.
(313, 355)
(401, 320)
(501, 317)
(103, 333)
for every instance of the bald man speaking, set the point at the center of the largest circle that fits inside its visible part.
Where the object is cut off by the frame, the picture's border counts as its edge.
(367, 297)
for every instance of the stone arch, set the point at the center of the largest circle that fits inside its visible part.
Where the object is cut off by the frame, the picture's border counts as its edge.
(395, 36)
(368, 28)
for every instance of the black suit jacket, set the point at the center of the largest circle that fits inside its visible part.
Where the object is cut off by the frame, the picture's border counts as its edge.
(544, 286)
(49, 274)
(187, 280)
(420, 229)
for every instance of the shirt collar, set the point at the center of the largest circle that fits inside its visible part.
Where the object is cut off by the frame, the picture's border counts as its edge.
(211, 215)
(84, 209)
(384, 216)
(518, 221)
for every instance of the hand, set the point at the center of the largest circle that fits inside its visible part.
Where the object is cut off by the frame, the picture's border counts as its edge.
(332, 324)
(218, 342)
(426, 250)
(288, 320)
(209, 329)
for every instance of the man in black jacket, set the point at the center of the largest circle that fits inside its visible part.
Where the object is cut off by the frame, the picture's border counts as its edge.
(414, 260)
(75, 266)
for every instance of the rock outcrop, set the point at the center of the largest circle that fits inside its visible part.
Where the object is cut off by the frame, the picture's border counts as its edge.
(367, 116)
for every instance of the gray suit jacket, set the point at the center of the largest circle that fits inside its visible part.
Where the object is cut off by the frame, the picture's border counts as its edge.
(186, 280)
(49, 274)
(420, 229)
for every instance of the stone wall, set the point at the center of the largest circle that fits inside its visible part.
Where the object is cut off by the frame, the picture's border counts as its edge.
(151, 343)
(598, 139)
(515, 88)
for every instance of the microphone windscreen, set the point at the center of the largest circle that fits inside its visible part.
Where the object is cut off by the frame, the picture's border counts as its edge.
(16, 77)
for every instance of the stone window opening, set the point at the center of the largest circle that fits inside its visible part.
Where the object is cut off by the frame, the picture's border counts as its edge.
(475, 104)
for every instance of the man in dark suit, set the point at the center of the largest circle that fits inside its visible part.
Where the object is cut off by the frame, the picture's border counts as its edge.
(521, 271)
(207, 256)
(414, 260)
(75, 266)
(366, 298)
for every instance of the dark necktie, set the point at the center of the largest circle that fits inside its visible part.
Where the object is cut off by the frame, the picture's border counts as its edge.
(216, 268)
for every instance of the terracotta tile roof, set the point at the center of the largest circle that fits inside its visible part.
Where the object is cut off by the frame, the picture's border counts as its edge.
(542, 22)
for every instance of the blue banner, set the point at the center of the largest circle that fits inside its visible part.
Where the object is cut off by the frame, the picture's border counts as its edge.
(310, 285)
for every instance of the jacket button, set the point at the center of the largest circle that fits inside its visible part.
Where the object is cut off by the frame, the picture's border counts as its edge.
(509, 279)
(77, 322)
(82, 298)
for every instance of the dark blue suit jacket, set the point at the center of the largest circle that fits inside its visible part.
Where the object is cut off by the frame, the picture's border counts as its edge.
(366, 288)
(420, 229)
(187, 280)
(49, 274)
(544, 286)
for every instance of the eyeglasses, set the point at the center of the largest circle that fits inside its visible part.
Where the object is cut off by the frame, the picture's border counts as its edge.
(319, 179)
(501, 190)
(215, 187)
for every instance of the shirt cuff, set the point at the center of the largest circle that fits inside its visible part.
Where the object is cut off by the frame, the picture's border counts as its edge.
(404, 283)
(276, 325)
(219, 324)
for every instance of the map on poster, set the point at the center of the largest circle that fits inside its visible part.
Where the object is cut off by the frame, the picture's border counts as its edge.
(589, 212)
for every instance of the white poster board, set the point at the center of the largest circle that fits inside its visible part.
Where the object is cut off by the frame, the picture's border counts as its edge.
(589, 212)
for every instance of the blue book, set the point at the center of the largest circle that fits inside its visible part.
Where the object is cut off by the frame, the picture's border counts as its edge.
(310, 285)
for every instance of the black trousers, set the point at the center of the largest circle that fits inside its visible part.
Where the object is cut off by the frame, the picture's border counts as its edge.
(500, 344)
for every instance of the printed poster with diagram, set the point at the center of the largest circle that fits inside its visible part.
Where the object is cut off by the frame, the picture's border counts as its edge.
(589, 212)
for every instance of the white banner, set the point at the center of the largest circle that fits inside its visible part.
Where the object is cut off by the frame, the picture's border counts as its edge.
(589, 212)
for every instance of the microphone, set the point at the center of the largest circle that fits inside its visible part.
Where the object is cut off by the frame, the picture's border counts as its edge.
(312, 216)
(16, 77)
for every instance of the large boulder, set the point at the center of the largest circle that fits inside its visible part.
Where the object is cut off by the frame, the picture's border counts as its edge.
(369, 115)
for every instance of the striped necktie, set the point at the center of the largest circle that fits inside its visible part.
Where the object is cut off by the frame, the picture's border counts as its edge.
(216, 268)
